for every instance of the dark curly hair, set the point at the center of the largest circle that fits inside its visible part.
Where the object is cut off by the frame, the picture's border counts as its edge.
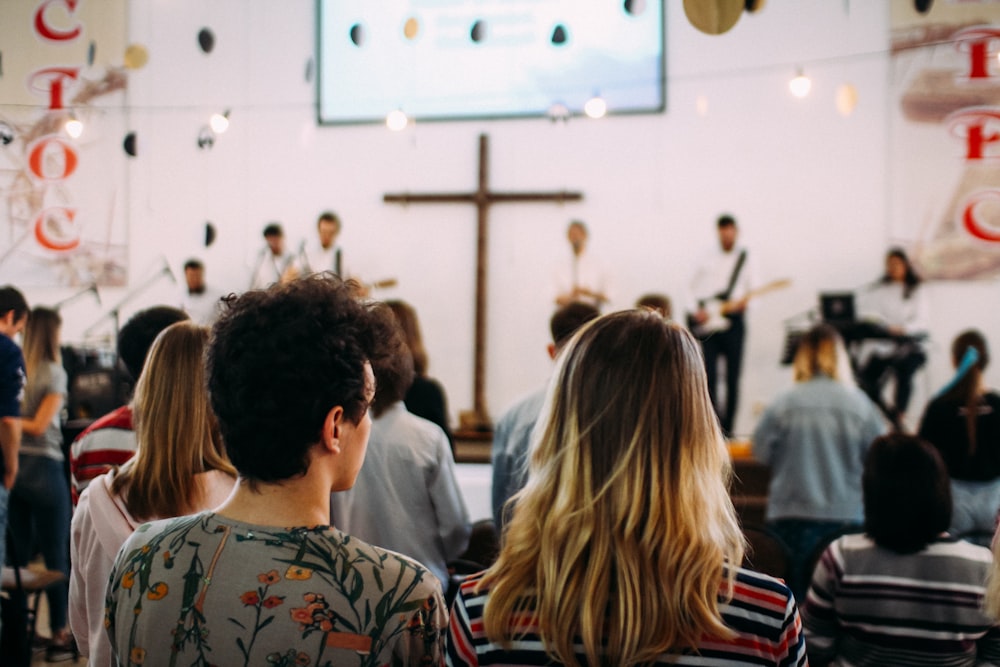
(907, 493)
(279, 360)
(138, 334)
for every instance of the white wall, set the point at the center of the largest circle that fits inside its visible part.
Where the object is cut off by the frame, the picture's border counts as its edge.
(808, 186)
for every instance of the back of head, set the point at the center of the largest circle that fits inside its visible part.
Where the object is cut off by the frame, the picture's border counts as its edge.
(568, 319)
(393, 366)
(175, 427)
(907, 493)
(629, 464)
(138, 334)
(41, 338)
(279, 361)
(406, 316)
(659, 303)
(11, 299)
(821, 352)
(970, 355)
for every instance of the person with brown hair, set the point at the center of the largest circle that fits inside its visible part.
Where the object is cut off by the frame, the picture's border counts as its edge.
(425, 397)
(814, 437)
(39, 501)
(963, 423)
(180, 467)
(624, 547)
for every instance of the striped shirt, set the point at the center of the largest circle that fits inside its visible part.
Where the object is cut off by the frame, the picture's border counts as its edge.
(762, 613)
(105, 444)
(871, 606)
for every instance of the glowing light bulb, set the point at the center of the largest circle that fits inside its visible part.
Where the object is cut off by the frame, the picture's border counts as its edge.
(396, 120)
(800, 85)
(74, 128)
(219, 122)
(596, 107)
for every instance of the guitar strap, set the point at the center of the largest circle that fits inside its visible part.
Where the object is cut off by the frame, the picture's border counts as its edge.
(724, 296)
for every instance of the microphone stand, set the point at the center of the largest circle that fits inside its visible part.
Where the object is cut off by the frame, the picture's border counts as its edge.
(70, 299)
(115, 315)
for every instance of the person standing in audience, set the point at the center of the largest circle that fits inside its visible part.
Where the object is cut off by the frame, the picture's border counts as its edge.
(963, 423)
(904, 592)
(13, 317)
(512, 435)
(406, 497)
(110, 441)
(624, 547)
(201, 302)
(814, 437)
(898, 304)
(180, 467)
(425, 397)
(264, 578)
(583, 278)
(39, 502)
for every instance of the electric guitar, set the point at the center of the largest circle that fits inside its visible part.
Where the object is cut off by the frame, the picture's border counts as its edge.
(717, 308)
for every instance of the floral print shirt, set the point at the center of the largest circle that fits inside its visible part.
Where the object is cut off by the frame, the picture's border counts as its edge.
(204, 590)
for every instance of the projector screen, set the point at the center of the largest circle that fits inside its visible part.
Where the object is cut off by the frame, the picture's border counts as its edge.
(451, 59)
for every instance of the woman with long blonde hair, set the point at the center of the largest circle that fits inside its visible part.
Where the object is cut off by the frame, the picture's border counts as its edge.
(179, 468)
(624, 547)
(39, 501)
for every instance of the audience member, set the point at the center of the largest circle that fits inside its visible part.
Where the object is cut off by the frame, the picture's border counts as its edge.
(814, 436)
(425, 397)
(963, 422)
(406, 497)
(512, 435)
(110, 441)
(264, 579)
(621, 549)
(39, 502)
(180, 467)
(898, 303)
(13, 316)
(905, 592)
(201, 302)
(658, 303)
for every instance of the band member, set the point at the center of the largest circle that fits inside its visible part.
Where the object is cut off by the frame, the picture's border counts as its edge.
(583, 278)
(720, 289)
(323, 253)
(202, 303)
(272, 263)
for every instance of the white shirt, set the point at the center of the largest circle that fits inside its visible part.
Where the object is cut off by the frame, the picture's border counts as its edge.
(317, 259)
(586, 271)
(268, 267)
(202, 308)
(884, 304)
(714, 272)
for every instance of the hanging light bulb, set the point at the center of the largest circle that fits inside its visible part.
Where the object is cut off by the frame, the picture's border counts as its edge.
(219, 122)
(396, 120)
(73, 127)
(596, 107)
(800, 85)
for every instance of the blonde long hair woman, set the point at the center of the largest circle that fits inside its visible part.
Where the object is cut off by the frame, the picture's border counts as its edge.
(39, 501)
(179, 468)
(623, 548)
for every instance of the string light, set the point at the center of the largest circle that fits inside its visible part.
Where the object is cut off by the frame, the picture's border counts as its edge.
(800, 85)
(596, 107)
(219, 122)
(396, 120)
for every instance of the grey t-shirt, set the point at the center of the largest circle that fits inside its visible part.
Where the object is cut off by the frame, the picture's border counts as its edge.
(48, 378)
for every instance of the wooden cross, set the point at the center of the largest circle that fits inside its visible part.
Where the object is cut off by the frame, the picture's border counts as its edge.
(483, 198)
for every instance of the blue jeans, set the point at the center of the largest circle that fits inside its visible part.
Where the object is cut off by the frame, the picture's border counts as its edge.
(39, 522)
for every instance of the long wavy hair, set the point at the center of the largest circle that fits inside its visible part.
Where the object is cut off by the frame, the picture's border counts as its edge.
(965, 391)
(624, 536)
(175, 428)
(41, 339)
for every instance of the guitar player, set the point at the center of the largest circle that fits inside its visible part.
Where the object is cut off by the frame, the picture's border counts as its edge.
(719, 292)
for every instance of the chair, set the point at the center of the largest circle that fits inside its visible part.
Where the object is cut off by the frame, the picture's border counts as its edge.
(766, 552)
(25, 585)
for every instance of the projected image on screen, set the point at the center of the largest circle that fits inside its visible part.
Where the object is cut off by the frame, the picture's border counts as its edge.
(440, 59)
